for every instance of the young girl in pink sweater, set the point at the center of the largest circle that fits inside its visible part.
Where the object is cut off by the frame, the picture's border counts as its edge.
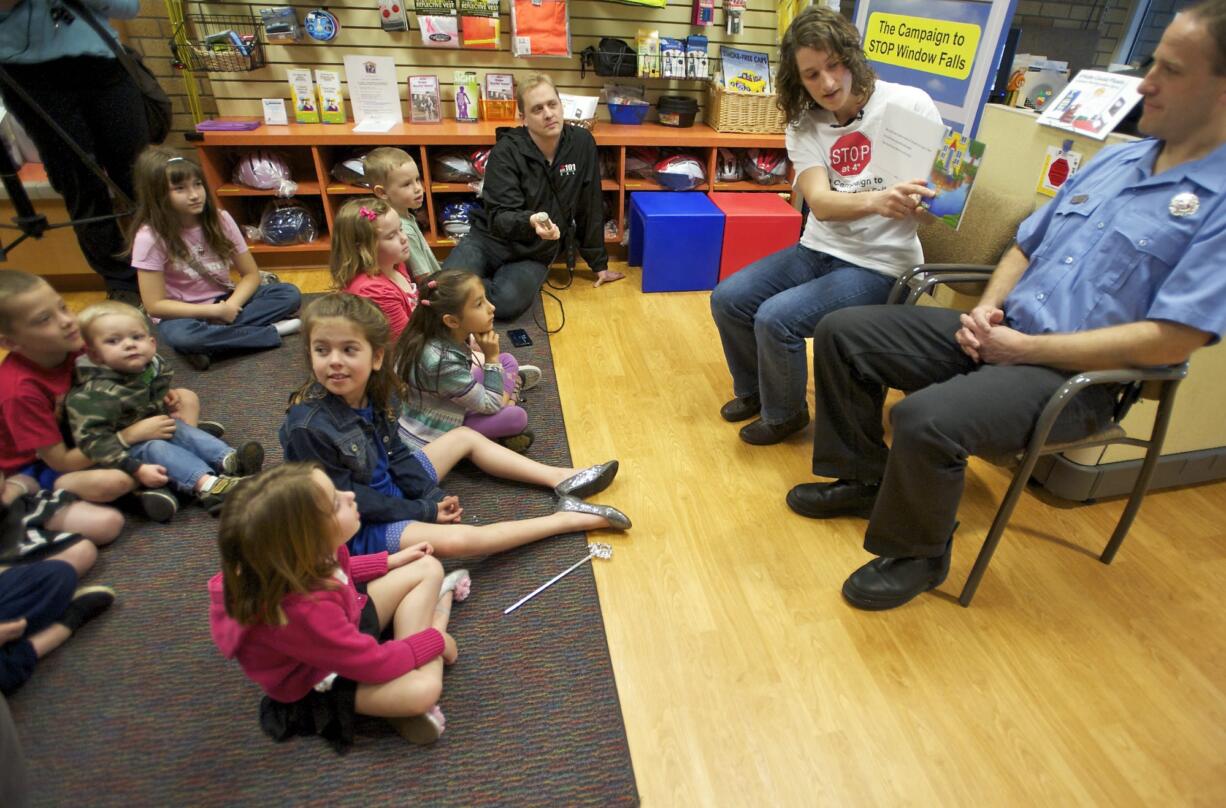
(303, 618)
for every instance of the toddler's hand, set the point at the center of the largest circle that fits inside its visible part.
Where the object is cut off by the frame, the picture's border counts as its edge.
(155, 427)
(172, 400)
(488, 344)
(449, 510)
(151, 476)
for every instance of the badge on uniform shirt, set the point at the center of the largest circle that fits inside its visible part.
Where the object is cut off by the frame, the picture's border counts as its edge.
(1185, 204)
(1079, 198)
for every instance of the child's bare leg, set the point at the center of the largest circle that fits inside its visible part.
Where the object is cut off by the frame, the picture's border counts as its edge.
(417, 691)
(50, 638)
(81, 556)
(98, 523)
(16, 486)
(97, 485)
(406, 595)
(492, 458)
(460, 541)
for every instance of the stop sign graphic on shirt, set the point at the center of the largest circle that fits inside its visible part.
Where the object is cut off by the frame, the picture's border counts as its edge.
(851, 153)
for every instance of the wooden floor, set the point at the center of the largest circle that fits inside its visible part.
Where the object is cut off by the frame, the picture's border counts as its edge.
(744, 678)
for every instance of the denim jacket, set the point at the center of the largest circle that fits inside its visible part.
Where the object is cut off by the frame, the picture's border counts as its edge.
(324, 429)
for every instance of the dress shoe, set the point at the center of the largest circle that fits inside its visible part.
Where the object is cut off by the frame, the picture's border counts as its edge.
(740, 408)
(591, 480)
(760, 433)
(839, 498)
(617, 520)
(885, 583)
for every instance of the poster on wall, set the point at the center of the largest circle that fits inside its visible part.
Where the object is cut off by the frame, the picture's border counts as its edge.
(373, 92)
(948, 48)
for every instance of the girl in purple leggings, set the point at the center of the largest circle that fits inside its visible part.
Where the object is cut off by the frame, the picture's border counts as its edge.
(449, 359)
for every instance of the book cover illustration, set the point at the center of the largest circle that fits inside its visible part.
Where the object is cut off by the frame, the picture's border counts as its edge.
(467, 96)
(424, 106)
(953, 177)
(744, 71)
(1059, 164)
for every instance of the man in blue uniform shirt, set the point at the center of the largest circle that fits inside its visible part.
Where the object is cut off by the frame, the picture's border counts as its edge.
(1122, 269)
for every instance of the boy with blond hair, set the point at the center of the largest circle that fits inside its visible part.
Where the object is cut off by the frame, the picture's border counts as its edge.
(394, 178)
(43, 340)
(120, 381)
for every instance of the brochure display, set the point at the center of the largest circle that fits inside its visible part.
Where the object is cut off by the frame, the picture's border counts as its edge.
(499, 101)
(1093, 103)
(331, 102)
(424, 104)
(302, 93)
(467, 96)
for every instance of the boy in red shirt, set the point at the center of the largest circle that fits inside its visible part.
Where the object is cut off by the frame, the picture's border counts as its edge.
(43, 341)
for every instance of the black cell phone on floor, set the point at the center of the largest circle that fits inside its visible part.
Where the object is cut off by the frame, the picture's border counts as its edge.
(519, 338)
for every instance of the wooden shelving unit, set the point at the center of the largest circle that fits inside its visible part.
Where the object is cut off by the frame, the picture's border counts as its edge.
(312, 150)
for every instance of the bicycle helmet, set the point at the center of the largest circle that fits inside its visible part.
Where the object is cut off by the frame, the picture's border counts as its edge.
(286, 222)
(681, 172)
(766, 166)
(265, 170)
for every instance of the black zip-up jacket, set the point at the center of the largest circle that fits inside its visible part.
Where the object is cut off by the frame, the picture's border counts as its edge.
(520, 182)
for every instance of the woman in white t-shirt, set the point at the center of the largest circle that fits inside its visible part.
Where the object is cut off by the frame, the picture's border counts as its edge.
(183, 249)
(858, 238)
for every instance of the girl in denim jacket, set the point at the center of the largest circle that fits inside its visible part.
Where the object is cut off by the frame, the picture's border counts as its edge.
(345, 420)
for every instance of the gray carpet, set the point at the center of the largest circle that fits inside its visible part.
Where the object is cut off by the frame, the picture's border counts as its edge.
(141, 709)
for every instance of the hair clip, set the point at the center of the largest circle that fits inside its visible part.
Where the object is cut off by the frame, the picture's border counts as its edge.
(172, 159)
(425, 302)
(367, 214)
(431, 284)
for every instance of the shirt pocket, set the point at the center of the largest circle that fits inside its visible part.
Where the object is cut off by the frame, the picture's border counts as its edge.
(351, 444)
(1143, 251)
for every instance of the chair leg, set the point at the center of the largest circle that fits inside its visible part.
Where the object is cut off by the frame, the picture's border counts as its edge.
(998, 528)
(1156, 438)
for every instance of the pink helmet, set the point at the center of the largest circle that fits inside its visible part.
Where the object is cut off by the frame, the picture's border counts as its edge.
(266, 170)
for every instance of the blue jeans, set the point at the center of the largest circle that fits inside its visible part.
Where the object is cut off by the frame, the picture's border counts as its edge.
(251, 330)
(188, 456)
(765, 312)
(512, 286)
(39, 591)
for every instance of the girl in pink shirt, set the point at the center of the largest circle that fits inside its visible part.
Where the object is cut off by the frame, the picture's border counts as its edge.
(370, 256)
(286, 607)
(184, 248)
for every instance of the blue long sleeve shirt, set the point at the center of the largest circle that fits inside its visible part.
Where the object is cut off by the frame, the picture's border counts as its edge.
(28, 34)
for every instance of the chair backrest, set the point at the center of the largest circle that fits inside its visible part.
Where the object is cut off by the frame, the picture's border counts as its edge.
(988, 228)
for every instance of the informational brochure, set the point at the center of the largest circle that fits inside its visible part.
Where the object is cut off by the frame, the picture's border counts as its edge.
(1093, 103)
(424, 104)
(373, 91)
(331, 102)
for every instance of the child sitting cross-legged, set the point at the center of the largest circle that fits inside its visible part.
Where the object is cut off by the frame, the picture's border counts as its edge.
(121, 380)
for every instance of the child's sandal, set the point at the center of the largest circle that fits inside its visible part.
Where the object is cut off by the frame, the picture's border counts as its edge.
(422, 730)
(459, 583)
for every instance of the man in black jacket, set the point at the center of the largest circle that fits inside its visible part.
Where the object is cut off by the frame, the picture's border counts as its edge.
(542, 188)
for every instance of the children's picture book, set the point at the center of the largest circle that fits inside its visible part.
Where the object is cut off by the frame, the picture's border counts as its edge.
(424, 104)
(911, 147)
(467, 96)
(953, 177)
(744, 71)
(1093, 103)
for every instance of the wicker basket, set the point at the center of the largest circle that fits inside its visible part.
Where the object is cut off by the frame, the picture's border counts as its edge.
(741, 112)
